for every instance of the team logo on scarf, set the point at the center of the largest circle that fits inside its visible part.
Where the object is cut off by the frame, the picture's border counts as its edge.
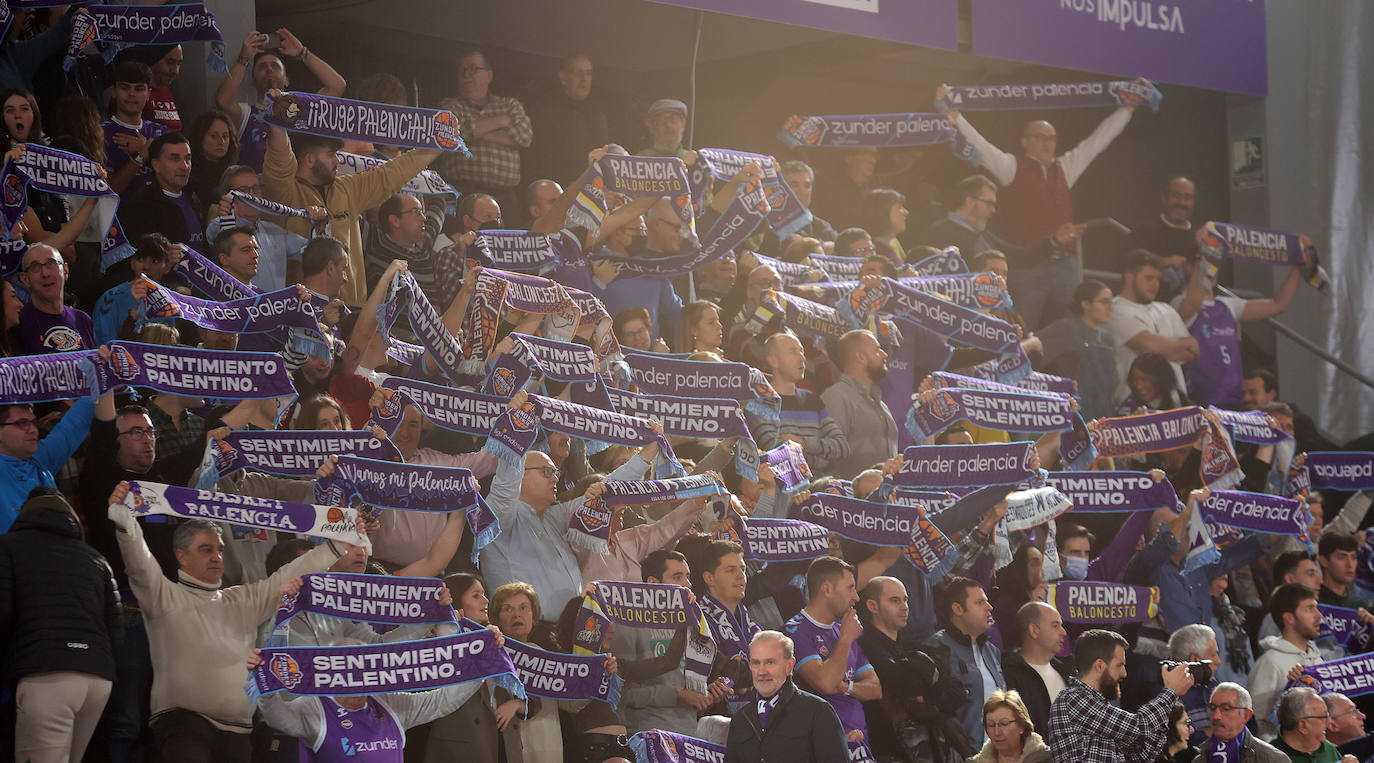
(286, 670)
(123, 363)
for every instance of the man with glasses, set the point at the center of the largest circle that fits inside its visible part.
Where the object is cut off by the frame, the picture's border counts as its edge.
(1345, 727)
(1229, 709)
(1302, 729)
(494, 127)
(1037, 202)
(407, 227)
(972, 205)
(279, 250)
(744, 345)
(46, 324)
(532, 547)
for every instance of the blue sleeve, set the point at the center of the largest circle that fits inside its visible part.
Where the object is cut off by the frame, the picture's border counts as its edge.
(669, 306)
(54, 450)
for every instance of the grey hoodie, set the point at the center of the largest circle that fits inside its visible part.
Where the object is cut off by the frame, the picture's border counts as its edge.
(1269, 676)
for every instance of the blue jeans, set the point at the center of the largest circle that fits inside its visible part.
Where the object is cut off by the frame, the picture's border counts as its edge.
(1042, 293)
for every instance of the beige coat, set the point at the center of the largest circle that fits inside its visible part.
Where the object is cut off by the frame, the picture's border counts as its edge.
(1033, 751)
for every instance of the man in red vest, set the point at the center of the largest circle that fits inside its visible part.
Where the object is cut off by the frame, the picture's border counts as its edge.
(1035, 202)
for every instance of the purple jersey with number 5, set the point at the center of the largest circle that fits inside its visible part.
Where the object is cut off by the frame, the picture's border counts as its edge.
(814, 641)
(1215, 377)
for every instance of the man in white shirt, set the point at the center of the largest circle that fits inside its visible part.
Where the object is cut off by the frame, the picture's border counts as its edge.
(1035, 669)
(1139, 324)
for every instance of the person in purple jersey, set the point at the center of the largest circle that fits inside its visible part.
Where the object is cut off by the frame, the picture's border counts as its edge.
(826, 633)
(368, 727)
(127, 133)
(46, 324)
(1215, 376)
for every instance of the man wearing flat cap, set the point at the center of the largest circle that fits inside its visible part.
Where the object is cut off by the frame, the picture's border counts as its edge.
(666, 120)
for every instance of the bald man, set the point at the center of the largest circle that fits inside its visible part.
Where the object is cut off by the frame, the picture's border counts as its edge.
(1035, 669)
(1035, 202)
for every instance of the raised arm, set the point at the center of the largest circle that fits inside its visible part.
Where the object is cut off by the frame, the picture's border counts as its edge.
(440, 552)
(331, 82)
(826, 676)
(1001, 164)
(1259, 309)
(226, 94)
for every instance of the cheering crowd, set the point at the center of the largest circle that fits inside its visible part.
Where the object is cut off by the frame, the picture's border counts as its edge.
(512, 444)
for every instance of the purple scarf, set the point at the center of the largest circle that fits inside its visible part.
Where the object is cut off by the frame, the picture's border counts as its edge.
(555, 675)
(1250, 426)
(1050, 96)
(784, 540)
(730, 633)
(427, 183)
(1004, 411)
(961, 324)
(647, 605)
(456, 410)
(346, 119)
(42, 378)
(1333, 470)
(1342, 625)
(930, 551)
(375, 599)
(329, 522)
(146, 25)
(656, 746)
(258, 314)
(1351, 676)
(498, 289)
(877, 524)
(1222, 240)
(197, 373)
(945, 466)
(411, 487)
(211, 280)
(838, 267)
(788, 462)
(1104, 492)
(707, 418)
(876, 130)
(946, 262)
(407, 298)
(522, 250)
(819, 322)
(745, 212)
(1166, 430)
(287, 454)
(383, 668)
(60, 172)
(1258, 512)
(590, 526)
(1085, 601)
(788, 215)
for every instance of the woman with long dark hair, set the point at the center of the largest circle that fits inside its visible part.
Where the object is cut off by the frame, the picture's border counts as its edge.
(883, 214)
(214, 149)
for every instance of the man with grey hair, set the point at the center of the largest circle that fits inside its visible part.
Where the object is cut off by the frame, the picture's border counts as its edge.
(1302, 728)
(201, 713)
(1229, 710)
(1345, 726)
(279, 250)
(802, 180)
(783, 722)
(666, 123)
(1196, 643)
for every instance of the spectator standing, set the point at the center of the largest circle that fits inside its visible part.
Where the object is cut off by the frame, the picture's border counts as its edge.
(167, 205)
(59, 611)
(1080, 348)
(1086, 728)
(1293, 608)
(972, 206)
(1139, 324)
(127, 133)
(407, 227)
(1170, 233)
(268, 71)
(856, 403)
(802, 180)
(494, 127)
(1302, 729)
(1036, 202)
(963, 650)
(1345, 727)
(566, 123)
(46, 324)
(784, 722)
(1035, 671)
(214, 149)
(165, 63)
(666, 122)
(804, 418)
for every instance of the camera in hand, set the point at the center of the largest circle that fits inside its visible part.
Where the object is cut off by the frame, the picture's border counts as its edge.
(1201, 670)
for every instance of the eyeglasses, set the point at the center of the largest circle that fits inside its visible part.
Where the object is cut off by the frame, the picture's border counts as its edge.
(22, 423)
(1314, 717)
(861, 251)
(991, 725)
(548, 471)
(252, 190)
(140, 433)
(416, 211)
(637, 332)
(34, 267)
(1224, 708)
(990, 202)
(1353, 710)
(470, 69)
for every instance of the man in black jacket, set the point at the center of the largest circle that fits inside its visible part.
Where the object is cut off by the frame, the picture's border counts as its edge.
(167, 206)
(1034, 670)
(782, 724)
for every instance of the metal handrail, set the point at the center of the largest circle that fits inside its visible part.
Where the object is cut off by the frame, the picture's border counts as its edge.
(1288, 331)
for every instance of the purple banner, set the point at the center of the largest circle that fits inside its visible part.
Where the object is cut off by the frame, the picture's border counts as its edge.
(928, 23)
(554, 675)
(1002, 411)
(523, 250)
(1333, 470)
(146, 25)
(1351, 676)
(877, 130)
(657, 746)
(788, 462)
(1251, 426)
(1224, 240)
(946, 262)
(1258, 512)
(1089, 602)
(1057, 95)
(456, 410)
(712, 418)
(405, 297)
(1342, 625)
(877, 524)
(330, 522)
(1217, 45)
(376, 599)
(590, 526)
(784, 540)
(382, 668)
(944, 466)
(1110, 492)
(210, 279)
(384, 123)
(930, 551)
(405, 487)
(288, 454)
(197, 373)
(786, 214)
(258, 314)
(41, 378)
(665, 375)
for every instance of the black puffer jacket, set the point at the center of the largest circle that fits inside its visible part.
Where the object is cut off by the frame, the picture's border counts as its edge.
(59, 609)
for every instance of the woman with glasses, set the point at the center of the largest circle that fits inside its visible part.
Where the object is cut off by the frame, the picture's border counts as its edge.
(1176, 747)
(1011, 735)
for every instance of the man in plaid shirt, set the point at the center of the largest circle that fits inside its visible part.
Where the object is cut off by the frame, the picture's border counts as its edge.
(494, 127)
(1086, 728)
